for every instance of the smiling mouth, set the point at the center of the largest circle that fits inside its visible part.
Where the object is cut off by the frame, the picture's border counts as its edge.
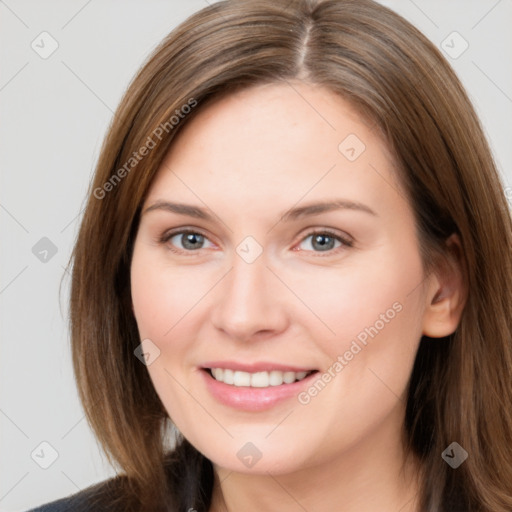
(263, 379)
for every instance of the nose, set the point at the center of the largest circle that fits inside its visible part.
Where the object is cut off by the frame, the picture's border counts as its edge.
(251, 302)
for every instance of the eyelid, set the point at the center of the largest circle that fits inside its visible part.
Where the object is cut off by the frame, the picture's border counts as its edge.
(346, 241)
(167, 235)
(321, 230)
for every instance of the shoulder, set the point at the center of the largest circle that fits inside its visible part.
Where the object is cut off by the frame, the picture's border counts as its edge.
(79, 502)
(98, 497)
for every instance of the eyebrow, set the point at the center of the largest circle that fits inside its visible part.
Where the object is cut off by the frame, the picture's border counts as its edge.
(289, 215)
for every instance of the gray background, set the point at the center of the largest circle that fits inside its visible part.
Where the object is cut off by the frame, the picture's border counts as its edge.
(54, 113)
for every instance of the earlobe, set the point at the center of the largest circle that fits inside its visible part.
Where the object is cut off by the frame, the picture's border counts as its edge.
(447, 292)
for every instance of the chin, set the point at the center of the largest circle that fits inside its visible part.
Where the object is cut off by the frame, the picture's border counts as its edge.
(257, 457)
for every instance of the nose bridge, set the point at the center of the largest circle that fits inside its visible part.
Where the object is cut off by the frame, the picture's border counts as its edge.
(247, 303)
(247, 285)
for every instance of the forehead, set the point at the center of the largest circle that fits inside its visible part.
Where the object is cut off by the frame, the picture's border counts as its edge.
(279, 141)
(283, 116)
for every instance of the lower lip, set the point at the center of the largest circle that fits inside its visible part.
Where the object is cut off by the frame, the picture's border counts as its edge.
(253, 399)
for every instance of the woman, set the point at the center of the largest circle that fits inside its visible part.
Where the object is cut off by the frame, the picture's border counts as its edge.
(344, 345)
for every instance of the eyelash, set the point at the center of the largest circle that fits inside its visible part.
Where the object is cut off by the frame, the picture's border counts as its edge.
(345, 242)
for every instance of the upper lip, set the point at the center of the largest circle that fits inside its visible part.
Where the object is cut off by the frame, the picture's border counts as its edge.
(261, 366)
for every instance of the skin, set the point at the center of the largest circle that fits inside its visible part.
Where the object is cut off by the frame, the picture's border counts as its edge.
(248, 158)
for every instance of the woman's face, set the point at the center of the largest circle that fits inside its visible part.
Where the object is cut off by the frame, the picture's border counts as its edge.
(253, 292)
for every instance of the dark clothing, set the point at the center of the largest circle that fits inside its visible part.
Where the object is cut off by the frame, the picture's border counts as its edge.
(86, 500)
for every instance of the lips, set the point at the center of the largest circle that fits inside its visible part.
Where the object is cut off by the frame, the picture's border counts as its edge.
(254, 386)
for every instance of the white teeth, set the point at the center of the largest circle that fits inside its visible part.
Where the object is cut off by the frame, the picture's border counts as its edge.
(241, 379)
(275, 378)
(288, 377)
(228, 376)
(257, 379)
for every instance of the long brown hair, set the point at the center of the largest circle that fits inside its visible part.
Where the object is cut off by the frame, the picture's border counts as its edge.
(460, 387)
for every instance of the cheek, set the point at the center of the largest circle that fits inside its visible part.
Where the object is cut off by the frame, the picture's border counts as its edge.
(163, 300)
(377, 320)
(375, 311)
(362, 299)
(163, 296)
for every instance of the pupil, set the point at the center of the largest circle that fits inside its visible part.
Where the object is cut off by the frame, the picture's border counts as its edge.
(321, 240)
(190, 239)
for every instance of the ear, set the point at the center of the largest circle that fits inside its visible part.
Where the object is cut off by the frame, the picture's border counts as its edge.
(447, 292)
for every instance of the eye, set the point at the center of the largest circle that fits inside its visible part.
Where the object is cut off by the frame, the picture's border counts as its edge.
(325, 240)
(190, 240)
